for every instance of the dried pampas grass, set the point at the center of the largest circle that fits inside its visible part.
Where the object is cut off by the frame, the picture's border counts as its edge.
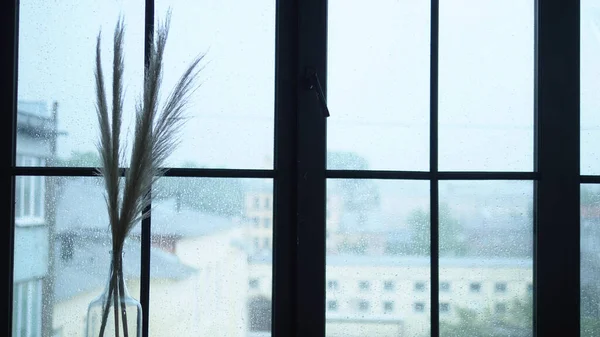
(155, 137)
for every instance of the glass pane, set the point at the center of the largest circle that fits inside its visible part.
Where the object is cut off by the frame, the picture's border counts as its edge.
(232, 113)
(486, 65)
(208, 279)
(590, 72)
(57, 42)
(378, 270)
(486, 258)
(378, 84)
(67, 254)
(590, 260)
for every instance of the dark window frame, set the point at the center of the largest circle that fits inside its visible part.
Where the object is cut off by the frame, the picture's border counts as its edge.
(300, 174)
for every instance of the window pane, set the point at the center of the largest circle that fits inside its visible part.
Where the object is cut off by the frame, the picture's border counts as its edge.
(208, 279)
(27, 196)
(231, 119)
(378, 235)
(590, 72)
(378, 84)
(486, 85)
(590, 260)
(57, 42)
(486, 253)
(75, 230)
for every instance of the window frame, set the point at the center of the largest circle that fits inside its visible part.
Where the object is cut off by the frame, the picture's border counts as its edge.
(300, 173)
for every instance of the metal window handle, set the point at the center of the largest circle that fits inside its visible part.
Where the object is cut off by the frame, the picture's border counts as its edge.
(313, 83)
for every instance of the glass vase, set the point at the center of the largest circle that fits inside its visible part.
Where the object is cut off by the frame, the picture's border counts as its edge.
(102, 318)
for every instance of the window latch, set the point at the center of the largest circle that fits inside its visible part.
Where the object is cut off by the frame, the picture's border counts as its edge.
(313, 83)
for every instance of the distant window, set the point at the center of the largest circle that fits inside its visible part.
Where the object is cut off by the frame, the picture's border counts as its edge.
(255, 221)
(256, 202)
(475, 287)
(267, 243)
(29, 193)
(363, 306)
(388, 307)
(420, 286)
(27, 299)
(445, 286)
(256, 243)
(332, 305)
(332, 284)
(364, 285)
(500, 287)
(444, 307)
(419, 307)
(266, 222)
(253, 283)
(388, 285)
(529, 288)
(500, 308)
(267, 203)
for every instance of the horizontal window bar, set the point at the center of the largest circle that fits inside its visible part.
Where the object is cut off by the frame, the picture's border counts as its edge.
(419, 175)
(590, 179)
(171, 172)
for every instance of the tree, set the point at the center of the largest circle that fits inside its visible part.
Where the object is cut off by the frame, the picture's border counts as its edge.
(516, 322)
(357, 194)
(80, 159)
(450, 230)
(218, 196)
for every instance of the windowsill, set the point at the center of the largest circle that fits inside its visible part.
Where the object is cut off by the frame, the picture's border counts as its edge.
(29, 222)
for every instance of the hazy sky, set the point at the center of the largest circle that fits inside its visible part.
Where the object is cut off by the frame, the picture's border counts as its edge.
(378, 86)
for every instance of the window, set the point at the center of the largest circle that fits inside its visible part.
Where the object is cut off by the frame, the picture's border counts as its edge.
(256, 203)
(475, 287)
(256, 221)
(500, 308)
(253, 283)
(27, 311)
(420, 286)
(256, 243)
(445, 286)
(267, 203)
(496, 126)
(419, 307)
(332, 285)
(388, 307)
(29, 193)
(266, 222)
(332, 305)
(364, 285)
(444, 308)
(500, 287)
(363, 306)
(388, 286)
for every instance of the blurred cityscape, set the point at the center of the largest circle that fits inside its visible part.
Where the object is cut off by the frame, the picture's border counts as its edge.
(211, 272)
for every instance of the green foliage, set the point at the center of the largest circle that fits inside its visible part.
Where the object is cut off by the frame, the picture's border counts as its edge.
(589, 196)
(211, 195)
(590, 327)
(80, 159)
(516, 322)
(450, 230)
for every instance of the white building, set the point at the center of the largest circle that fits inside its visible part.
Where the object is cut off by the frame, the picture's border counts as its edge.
(390, 296)
(36, 145)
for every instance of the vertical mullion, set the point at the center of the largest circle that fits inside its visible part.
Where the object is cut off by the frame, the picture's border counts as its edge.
(310, 176)
(146, 223)
(284, 188)
(433, 167)
(557, 128)
(9, 21)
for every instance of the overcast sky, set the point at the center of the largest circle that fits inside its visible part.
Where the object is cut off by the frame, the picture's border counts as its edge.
(378, 86)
